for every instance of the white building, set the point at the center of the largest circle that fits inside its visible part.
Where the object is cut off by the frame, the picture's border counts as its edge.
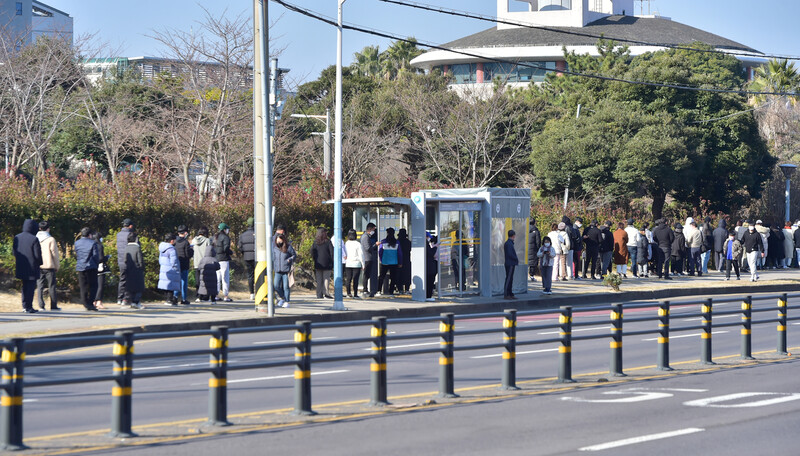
(26, 20)
(567, 24)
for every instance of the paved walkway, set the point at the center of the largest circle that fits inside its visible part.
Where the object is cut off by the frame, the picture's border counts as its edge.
(160, 317)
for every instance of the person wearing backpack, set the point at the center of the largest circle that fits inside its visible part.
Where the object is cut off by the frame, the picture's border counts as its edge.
(391, 258)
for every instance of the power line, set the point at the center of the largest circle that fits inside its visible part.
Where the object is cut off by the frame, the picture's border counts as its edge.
(321, 18)
(493, 19)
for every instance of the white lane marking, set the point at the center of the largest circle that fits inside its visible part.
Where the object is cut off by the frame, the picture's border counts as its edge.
(421, 331)
(636, 396)
(287, 341)
(685, 335)
(678, 390)
(139, 369)
(407, 346)
(497, 355)
(713, 316)
(641, 439)
(30, 400)
(275, 377)
(593, 328)
(715, 401)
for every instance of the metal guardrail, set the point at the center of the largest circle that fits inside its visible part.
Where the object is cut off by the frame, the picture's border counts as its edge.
(13, 362)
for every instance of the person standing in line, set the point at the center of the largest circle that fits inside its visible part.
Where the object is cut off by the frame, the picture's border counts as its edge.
(664, 239)
(391, 259)
(732, 252)
(369, 247)
(122, 243)
(633, 246)
(606, 248)
(431, 266)
(621, 250)
(185, 255)
(209, 266)
(534, 242)
(247, 249)
(222, 245)
(547, 255)
(591, 239)
(796, 238)
(353, 265)
(678, 251)
(102, 271)
(708, 243)
(753, 248)
(570, 252)
(694, 243)
(134, 267)
(50, 263)
(576, 241)
(169, 272)
(788, 244)
(652, 246)
(556, 246)
(322, 254)
(87, 258)
(200, 245)
(283, 256)
(775, 248)
(28, 256)
(510, 261)
(405, 272)
(720, 236)
(641, 259)
(765, 234)
(563, 248)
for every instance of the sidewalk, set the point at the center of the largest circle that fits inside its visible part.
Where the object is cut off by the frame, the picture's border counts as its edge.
(73, 320)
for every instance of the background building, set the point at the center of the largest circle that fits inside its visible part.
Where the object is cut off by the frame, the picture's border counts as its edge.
(27, 20)
(567, 22)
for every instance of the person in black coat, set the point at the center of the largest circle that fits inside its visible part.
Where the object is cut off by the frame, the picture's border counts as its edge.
(431, 266)
(775, 252)
(405, 271)
(720, 236)
(606, 248)
(678, 251)
(185, 256)
(369, 246)
(28, 256)
(247, 249)
(122, 243)
(591, 240)
(222, 246)
(664, 238)
(510, 261)
(534, 242)
(322, 253)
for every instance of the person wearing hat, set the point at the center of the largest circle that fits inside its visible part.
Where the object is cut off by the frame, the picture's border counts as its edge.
(50, 264)
(510, 261)
(222, 246)
(28, 260)
(246, 245)
(185, 256)
(122, 243)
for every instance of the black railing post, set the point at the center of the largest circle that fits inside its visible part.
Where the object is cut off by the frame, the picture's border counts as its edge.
(11, 396)
(378, 366)
(782, 319)
(565, 350)
(446, 339)
(663, 336)
(747, 314)
(218, 383)
(705, 351)
(302, 370)
(616, 341)
(509, 380)
(121, 400)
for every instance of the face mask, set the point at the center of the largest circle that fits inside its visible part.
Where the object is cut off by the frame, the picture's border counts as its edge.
(751, 228)
(578, 224)
(280, 244)
(547, 244)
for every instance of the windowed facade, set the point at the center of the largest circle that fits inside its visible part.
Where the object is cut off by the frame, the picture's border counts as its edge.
(464, 73)
(532, 71)
(19, 8)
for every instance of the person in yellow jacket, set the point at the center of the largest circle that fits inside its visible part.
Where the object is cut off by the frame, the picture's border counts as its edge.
(50, 263)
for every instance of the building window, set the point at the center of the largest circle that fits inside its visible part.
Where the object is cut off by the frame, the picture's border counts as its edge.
(464, 73)
(522, 72)
(19, 8)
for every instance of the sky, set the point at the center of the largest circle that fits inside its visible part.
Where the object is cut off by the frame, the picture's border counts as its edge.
(309, 46)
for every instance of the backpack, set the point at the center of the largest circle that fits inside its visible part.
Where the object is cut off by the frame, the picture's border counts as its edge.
(389, 257)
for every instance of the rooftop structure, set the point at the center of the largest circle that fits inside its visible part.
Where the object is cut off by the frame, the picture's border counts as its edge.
(27, 20)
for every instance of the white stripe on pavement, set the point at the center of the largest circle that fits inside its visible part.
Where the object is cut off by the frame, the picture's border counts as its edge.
(685, 335)
(641, 439)
(266, 342)
(139, 369)
(713, 316)
(593, 328)
(497, 355)
(275, 377)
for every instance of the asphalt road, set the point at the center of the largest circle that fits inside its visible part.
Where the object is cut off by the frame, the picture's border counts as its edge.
(83, 407)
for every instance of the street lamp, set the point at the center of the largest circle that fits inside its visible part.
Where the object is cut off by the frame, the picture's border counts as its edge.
(326, 167)
(337, 173)
(788, 169)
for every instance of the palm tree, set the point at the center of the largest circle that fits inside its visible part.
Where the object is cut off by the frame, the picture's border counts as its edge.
(776, 76)
(367, 62)
(398, 56)
(778, 115)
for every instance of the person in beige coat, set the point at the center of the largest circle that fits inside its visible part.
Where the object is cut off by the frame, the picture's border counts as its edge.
(50, 263)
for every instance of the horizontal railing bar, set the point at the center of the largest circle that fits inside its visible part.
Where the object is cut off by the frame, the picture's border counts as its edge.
(793, 307)
(764, 309)
(172, 334)
(538, 341)
(109, 338)
(271, 347)
(729, 300)
(766, 298)
(643, 305)
(68, 381)
(333, 359)
(725, 312)
(688, 315)
(727, 325)
(479, 315)
(643, 332)
(265, 365)
(257, 329)
(686, 328)
(342, 324)
(169, 373)
(538, 327)
(65, 361)
(205, 351)
(475, 332)
(357, 340)
(591, 336)
(640, 319)
(762, 322)
(477, 347)
(792, 318)
(590, 323)
(403, 321)
(423, 351)
(526, 313)
(412, 336)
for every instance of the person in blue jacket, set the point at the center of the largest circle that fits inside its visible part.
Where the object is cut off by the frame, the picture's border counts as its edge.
(169, 273)
(511, 261)
(391, 258)
(87, 256)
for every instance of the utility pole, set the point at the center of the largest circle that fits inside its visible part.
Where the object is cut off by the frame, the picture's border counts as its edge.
(327, 143)
(337, 205)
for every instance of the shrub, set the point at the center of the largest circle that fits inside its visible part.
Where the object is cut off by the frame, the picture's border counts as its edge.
(613, 280)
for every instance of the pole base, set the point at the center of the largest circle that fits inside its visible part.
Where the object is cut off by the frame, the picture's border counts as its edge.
(783, 353)
(510, 388)
(709, 363)
(565, 380)
(448, 395)
(218, 423)
(749, 358)
(379, 403)
(13, 447)
(122, 435)
(338, 307)
(666, 369)
(304, 413)
(262, 309)
(619, 374)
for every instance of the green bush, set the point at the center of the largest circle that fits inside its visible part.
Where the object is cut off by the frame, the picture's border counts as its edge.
(66, 276)
(302, 241)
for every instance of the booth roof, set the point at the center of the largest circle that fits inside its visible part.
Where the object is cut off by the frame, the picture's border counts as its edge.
(471, 192)
(392, 200)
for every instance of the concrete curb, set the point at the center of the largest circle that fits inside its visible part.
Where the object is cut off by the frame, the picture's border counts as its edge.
(494, 305)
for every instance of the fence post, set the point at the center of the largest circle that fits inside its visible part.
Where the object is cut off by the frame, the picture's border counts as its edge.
(565, 350)
(11, 396)
(446, 339)
(747, 313)
(663, 336)
(509, 381)
(705, 352)
(302, 370)
(218, 383)
(378, 366)
(616, 341)
(121, 400)
(782, 303)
